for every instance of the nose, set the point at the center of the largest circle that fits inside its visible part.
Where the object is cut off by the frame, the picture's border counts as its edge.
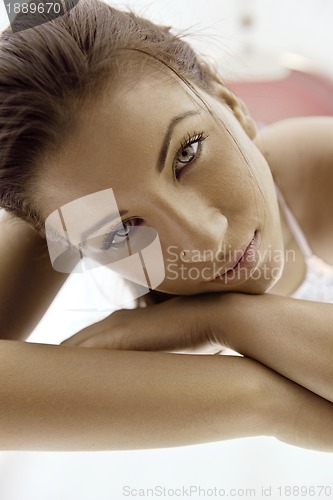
(191, 224)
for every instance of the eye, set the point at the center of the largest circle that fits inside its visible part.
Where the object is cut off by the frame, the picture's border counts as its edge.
(189, 151)
(117, 237)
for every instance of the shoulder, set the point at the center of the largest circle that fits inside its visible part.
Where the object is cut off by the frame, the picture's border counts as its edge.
(299, 152)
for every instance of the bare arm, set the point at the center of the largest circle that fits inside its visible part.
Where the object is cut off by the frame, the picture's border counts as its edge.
(28, 283)
(303, 170)
(293, 337)
(72, 398)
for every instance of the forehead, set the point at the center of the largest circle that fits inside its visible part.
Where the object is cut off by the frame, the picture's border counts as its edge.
(130, 116)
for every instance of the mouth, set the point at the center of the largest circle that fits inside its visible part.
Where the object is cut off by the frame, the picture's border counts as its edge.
(241, 262)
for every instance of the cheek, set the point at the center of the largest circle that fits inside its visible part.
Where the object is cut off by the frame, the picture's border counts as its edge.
(258, 167)
(224, 181)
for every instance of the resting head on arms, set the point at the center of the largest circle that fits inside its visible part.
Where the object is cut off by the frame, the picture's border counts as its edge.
(99, 100)
(102, 99)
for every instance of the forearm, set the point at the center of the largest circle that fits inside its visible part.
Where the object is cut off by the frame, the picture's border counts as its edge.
(60, 398)
(72, 398)
(293, 337)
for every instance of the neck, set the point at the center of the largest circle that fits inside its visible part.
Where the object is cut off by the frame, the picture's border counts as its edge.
(294, 269)
(286, 233)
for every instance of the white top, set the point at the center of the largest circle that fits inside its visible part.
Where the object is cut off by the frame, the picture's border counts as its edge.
(318, 282)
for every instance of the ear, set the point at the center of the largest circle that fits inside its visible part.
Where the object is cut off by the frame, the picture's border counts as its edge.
(238, 108)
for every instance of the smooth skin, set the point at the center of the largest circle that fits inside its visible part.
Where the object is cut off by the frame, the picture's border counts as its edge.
(28, 281)
(211, 205)
(113, 395)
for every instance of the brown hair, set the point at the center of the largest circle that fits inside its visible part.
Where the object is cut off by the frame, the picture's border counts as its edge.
(46, 72)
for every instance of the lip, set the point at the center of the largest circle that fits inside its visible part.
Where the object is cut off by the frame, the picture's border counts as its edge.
(241, 263)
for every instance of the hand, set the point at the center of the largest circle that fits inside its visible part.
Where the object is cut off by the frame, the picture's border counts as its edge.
(180, 324)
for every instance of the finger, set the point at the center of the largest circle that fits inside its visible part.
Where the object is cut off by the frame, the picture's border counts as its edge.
(82, 335)
(170, 340)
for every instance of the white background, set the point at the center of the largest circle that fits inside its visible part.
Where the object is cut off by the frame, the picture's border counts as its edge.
(302, 27)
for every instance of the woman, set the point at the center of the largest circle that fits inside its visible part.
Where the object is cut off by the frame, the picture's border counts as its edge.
(101, 100)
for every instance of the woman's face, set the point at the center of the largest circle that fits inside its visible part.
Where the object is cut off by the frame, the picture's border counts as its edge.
(190, 173)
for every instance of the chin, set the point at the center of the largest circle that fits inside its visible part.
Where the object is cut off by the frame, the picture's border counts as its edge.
(260, 286)
(255, 288)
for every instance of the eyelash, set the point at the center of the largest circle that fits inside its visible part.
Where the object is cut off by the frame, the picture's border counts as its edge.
(184, 144)
(110, 236)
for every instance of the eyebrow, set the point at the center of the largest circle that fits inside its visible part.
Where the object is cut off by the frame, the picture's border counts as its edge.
(168, 135)
(161, 162)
